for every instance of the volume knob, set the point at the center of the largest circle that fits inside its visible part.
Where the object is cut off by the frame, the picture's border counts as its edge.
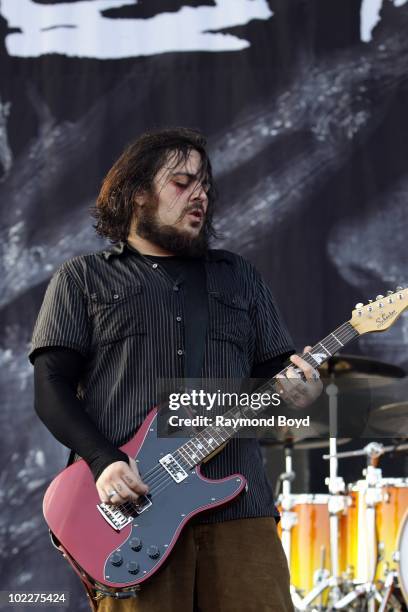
(135, 544)
(133, 567)
(153, 551)
(116, 559)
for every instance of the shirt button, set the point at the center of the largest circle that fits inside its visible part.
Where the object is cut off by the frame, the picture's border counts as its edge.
(175, 288)
(178, 319)
(155, 266)
(180, 352)
(115, 297)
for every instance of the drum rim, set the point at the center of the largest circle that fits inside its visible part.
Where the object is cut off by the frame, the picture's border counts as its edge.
(399, 482)
(310, 498)
(404, 523)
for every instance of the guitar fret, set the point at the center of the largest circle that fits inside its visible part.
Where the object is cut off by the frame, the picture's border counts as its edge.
(210, 442)
(189, 459)
(325, 349)
(185, 456)
(222, 428)
(341, 344)
(193, 453)
(217, 434)
(199, 446)
(310, 359)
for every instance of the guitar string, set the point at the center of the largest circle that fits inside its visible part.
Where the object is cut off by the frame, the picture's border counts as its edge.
(197, 450)
(162, 477)
(161, 481)
(331, 345)
(329, 349)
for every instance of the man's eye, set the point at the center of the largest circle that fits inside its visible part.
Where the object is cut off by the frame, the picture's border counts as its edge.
(181, 184)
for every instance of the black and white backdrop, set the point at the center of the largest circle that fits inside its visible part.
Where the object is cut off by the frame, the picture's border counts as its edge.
(305, 106)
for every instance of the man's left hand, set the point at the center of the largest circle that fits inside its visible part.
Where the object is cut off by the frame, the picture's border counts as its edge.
(301, 385)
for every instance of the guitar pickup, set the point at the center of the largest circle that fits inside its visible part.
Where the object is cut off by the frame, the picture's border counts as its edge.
(142, 504)
(173, 468)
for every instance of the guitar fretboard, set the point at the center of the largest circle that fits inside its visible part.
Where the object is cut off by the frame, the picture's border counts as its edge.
(212, 437)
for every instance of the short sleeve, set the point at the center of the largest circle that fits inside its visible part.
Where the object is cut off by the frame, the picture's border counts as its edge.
(63, 319)
(272, 336)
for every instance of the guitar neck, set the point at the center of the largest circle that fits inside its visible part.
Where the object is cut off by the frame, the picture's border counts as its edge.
(198, 449)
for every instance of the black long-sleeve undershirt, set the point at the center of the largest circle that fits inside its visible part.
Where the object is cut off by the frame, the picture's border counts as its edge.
(57, 371)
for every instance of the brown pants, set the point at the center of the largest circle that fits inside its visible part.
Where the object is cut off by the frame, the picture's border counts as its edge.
(235, 566)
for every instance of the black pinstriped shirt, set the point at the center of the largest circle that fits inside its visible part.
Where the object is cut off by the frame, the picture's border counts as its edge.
(125, 314)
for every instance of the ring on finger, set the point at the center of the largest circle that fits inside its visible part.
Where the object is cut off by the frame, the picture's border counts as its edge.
(112, 493)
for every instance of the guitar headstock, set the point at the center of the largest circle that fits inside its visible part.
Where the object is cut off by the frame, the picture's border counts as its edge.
(380, 314)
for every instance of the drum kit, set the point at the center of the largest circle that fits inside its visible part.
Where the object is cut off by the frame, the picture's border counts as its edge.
(347, 549)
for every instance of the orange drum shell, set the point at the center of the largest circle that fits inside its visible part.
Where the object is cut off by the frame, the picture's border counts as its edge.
(389, 515)
(310, 540)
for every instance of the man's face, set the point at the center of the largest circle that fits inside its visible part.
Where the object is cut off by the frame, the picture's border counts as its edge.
(182, 199)
(174, 217)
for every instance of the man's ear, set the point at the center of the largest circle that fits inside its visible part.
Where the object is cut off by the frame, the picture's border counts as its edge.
(140, 199)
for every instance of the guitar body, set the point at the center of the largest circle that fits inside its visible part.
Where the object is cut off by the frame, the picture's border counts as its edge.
(121, 556)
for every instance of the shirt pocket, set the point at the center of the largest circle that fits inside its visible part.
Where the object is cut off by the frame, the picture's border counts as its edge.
(117, 313)
(229, 318)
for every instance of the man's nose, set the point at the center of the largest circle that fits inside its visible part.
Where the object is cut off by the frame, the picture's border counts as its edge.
(199, 194)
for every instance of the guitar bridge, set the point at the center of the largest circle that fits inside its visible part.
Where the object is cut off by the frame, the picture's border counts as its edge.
(114, 516)
(119, 516)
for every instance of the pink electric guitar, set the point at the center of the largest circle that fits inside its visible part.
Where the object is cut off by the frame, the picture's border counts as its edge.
(119, 547)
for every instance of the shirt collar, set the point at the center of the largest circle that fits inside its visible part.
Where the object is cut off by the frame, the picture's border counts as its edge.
(119, 248)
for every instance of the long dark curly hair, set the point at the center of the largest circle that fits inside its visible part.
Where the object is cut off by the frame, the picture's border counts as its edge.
(134, 171)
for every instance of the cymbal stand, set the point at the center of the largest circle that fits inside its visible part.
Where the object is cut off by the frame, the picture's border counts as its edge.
(337, 499)
(288, 519)
(337, 505)
(370, 496)
(391, 582)
(371, 448)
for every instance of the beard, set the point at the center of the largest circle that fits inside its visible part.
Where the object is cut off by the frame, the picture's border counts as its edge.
(169, 237)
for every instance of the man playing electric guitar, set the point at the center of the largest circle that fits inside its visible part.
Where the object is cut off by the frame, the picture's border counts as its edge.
(113, 322)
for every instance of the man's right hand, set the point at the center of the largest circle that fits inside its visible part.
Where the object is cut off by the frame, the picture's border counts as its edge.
(124, 480)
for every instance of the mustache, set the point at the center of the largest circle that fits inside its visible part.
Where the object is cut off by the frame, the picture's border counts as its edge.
(195, 208)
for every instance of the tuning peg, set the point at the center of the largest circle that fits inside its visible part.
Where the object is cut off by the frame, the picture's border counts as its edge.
(379, 297)
(399, 289)
(359, 305)
(390, 292)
